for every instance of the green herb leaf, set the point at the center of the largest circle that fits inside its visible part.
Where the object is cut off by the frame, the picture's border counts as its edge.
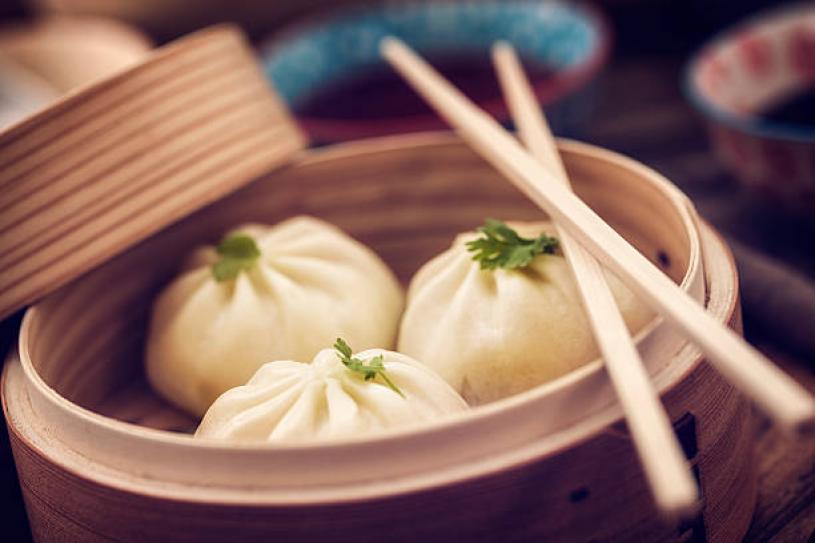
(238, 252)
(375, 367)
(503, 247)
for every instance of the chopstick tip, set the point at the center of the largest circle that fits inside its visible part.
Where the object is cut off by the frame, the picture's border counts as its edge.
(502, 47)
(803, 425)
(683, 515)
(389, 44)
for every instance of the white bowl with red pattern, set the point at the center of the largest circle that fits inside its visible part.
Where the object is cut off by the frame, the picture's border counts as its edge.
(742, 73)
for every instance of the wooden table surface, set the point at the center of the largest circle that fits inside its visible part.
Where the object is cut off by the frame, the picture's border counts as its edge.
(641, 112)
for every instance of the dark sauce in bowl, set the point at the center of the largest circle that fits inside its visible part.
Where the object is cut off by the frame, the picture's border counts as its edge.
(380, 93)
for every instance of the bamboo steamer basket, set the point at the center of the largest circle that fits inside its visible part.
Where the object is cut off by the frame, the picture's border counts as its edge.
(171, 18)
(101, 457)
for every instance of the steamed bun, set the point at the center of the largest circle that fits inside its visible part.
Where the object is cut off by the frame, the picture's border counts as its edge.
(300, 284)
(289, 401)
(494, 333)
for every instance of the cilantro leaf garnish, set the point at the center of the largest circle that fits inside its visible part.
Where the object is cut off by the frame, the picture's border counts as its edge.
(375, 367)
(237, 252)
(502, 247)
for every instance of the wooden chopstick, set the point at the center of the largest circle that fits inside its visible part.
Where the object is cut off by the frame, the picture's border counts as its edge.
(666, 469)
(774, 391)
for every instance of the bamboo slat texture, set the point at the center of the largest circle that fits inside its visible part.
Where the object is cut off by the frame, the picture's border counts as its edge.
(117, 161)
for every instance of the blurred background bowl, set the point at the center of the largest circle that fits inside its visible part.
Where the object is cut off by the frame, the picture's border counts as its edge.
(327, 68)
(43, 59)
(69, 52)
(738, 79)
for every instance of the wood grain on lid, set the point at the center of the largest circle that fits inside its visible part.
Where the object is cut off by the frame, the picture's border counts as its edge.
(119, 160)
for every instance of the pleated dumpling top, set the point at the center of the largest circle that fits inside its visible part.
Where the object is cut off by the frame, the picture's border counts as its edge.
(327, 399)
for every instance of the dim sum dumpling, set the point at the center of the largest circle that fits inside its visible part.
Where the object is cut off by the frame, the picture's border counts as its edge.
(266, 293)
(492, 333)
(289, 401)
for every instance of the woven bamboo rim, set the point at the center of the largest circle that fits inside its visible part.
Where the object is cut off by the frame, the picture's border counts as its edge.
(115, 162)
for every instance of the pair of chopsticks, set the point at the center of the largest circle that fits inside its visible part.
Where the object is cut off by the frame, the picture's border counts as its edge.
(589, 242)
(660, 454)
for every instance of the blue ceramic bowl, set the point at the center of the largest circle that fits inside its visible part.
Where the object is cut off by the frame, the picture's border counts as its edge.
(571, 40)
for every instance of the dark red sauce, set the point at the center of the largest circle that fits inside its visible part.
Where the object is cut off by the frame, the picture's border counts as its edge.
(380, 93)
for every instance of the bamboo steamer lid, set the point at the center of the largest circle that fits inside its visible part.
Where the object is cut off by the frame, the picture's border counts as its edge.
(116, 161)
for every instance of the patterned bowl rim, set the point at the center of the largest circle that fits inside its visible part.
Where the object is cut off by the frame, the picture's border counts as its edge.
(753, 125)
(548, 90)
